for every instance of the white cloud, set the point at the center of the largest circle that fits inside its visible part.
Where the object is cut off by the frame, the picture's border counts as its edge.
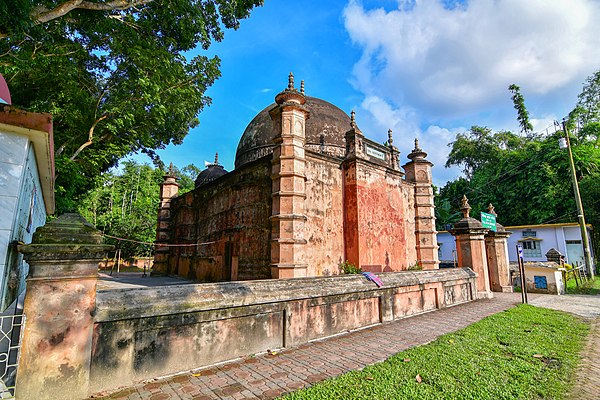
(404, 123)
(444, 62)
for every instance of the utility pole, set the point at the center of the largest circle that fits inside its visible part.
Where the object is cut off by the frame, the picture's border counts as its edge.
(580, 215)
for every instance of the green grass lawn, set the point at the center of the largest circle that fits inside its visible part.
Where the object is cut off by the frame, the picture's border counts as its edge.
(523, 353)
(587, 287)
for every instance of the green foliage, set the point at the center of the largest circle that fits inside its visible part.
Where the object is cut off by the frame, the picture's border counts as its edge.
(116, 81)
(445, 213)
(589, 287)
(588, 104)
(347, 267)
(480, 146)
(519, 104)
(527, 178)
(125, 204)
(523, 353)
(415, 267)
(527, 181)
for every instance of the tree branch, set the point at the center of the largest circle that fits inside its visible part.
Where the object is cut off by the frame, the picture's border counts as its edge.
(90, 138)
(42, 14)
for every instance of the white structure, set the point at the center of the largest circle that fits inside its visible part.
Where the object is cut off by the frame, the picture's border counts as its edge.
(26, 191)
(535, 239)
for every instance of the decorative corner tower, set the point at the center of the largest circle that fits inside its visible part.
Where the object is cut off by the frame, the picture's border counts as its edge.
(496, 246)
(418, 171)
(470, 249)
(169, 189)
(289, 184)
(354, 150)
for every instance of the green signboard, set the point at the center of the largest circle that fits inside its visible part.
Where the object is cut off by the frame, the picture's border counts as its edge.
(488, 221)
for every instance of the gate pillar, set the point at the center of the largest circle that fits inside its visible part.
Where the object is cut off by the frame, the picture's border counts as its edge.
(59, 309)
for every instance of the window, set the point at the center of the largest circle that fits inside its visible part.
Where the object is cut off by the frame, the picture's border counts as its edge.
(531, 249)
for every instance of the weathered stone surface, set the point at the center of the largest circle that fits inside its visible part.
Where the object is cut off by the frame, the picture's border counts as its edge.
(324, 132)
(325, 215)
(471, 252)
(496, 247)
(227, 227)
(59, 309)
(331, 195)
(138, 335)
(376, 211)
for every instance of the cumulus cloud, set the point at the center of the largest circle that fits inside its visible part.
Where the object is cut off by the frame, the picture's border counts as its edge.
(404, 123)
(443, 61)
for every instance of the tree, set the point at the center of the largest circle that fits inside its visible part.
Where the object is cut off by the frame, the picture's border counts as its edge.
(479, 146)
(522, 113)
(588, 104)
(125, 204)
(527, 178)
(115, 74)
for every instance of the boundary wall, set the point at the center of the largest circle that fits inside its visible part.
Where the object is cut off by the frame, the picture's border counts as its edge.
(144, 333)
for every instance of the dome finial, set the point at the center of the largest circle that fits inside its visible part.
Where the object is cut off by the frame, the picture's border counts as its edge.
(291, 81)
(417, 148)
(302, 86)
(390, 139)
(217, 158)
(491, 210)
(465, 206)
(171, 172)
(353, 119)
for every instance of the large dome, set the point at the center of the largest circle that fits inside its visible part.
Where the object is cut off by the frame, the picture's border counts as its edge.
(325, 132)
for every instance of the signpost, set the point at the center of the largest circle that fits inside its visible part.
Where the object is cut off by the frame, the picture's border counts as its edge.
(488, 221)
(522, 273)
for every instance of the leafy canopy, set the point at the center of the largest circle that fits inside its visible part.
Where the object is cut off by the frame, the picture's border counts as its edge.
(125, 203)
(115, 74)
(526, 178)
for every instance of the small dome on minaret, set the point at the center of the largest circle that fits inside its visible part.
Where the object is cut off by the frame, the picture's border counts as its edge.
(213, 171)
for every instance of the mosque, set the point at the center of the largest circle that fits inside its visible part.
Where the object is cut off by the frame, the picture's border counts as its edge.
(309, 191)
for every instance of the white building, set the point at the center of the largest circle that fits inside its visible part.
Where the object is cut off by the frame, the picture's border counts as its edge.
(535, 239)
(26, 190)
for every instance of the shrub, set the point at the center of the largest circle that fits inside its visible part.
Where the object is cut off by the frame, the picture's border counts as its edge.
(347, 267)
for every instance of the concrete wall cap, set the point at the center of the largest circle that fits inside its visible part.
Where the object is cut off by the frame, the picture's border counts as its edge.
(124, 304)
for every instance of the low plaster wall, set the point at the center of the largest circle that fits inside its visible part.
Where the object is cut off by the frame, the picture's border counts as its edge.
(144, 333)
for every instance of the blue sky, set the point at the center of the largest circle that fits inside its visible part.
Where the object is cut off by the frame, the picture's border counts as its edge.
(427, 69)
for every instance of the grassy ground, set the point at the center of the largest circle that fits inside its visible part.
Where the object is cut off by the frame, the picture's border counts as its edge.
(590, 287)
(523, 353)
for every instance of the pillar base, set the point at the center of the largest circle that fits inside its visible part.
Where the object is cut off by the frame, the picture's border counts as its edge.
(485, 295)
(285, 271)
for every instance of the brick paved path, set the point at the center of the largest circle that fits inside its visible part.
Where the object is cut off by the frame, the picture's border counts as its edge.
(268, 376)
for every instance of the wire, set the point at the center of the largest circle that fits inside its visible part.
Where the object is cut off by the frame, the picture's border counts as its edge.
(158, 244)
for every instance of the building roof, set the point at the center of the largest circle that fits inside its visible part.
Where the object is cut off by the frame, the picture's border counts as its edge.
(38, 128)
(325, 131)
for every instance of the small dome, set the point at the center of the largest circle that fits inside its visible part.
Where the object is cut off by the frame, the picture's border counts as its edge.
(326, 128)
(212, 172)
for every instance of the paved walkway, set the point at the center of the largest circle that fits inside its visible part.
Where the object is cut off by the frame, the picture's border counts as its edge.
(587, 376)
(270, 375)
(132, 280)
